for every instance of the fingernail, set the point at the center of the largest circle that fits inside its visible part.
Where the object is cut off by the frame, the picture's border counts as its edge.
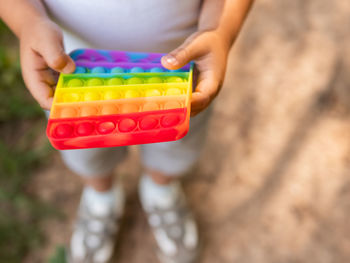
(67, 69)
(171, 59)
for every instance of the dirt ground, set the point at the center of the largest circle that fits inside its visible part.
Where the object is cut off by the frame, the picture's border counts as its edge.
(273, 182)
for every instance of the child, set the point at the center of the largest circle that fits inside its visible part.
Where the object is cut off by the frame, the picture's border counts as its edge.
(199, 30)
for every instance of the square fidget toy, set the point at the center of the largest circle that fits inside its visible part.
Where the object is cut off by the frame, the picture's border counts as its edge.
(118, 98)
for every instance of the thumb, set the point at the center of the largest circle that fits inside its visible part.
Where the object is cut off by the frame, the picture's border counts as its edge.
(56, 58)
(191, 49)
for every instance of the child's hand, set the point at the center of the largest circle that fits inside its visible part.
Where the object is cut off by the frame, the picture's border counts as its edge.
(209, 50)
(41, 49)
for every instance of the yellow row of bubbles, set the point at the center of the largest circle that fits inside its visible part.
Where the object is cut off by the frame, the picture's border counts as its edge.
(78, 95)
(81, 82)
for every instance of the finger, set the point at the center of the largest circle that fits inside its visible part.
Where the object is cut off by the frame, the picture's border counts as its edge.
(36, 79)
(196, 112)
(188, 51)
(207, 89)
(53, 53)
(48, 76)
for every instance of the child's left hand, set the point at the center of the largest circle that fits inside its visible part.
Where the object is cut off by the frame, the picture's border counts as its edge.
(209, 50)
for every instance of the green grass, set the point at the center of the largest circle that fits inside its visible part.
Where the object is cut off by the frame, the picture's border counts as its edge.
(21, 152)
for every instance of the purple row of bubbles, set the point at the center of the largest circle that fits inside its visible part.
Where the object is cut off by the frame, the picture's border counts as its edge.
(98, 55)
(114, 56)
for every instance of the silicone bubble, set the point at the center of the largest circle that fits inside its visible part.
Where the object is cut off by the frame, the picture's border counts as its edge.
(69, 112)
(106, 127)
(91, 96)
(111, 95)
(172, 105)
(75, 83)
(71, 97)
(63, 130)
(95, 82)
(131, 94)
(154, 80)
(80, 70)
(156, 70)
(174, 80)
(128, 108)
(153, 93)
(173, 92)
(136, 70)
(98, 70)
(127, 125)
(109, 110)
(115, 81)
(88, 111)
(134, 80)
(85, 129)
(148, 123)
(150, 106)
(117, 70)
(170, 120)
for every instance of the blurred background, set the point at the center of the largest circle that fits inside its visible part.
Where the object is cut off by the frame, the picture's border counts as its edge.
(273, 183)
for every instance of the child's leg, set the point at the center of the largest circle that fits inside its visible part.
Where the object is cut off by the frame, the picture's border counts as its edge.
(100, 183)
(101, 204)
(162, 196)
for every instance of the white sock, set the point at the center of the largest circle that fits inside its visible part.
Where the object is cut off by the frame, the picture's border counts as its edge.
(156, 195)
(101, 203)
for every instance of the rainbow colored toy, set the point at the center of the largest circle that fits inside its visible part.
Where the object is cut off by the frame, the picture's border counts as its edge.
(117, 98)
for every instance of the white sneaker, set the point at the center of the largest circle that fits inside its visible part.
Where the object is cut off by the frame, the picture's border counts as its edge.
(173, 226)
(96, 227)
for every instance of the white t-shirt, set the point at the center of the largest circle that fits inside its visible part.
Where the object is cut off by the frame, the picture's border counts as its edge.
(131, 25)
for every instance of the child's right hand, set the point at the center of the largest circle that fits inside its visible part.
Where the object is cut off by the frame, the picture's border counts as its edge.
(42, 53)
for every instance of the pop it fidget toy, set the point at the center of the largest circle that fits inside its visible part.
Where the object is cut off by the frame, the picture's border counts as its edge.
(117, 98)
